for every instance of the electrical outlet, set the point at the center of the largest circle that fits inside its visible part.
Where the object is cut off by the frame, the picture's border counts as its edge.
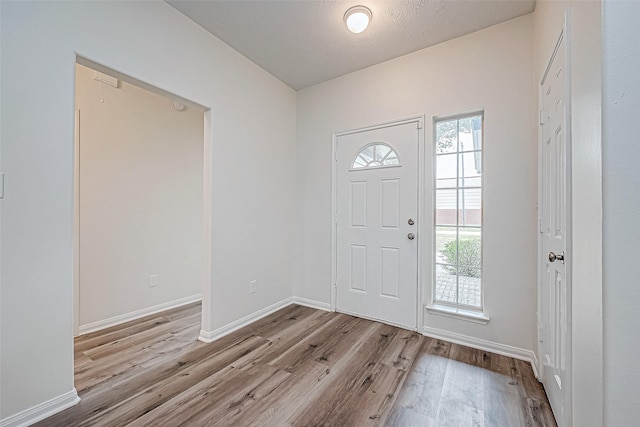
(253, 287)
(153, 280)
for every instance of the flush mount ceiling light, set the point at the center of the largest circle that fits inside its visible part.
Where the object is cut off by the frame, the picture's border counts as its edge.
(357, 18)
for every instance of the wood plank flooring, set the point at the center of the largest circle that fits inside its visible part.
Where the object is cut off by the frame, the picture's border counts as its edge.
(296, 367)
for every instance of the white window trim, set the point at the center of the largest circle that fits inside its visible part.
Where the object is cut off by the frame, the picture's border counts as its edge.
(458, 313)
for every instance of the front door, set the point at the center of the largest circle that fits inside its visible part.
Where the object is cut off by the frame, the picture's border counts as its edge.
(377, 208)
(555, 289)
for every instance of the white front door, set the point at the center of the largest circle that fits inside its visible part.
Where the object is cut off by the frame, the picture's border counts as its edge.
(555, 291)
(377, 238)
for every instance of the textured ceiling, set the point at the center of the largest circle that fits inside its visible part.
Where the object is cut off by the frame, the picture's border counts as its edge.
(304, 42)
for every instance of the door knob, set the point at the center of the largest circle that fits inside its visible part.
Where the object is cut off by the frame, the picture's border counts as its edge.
(411, 236)
(553, 257)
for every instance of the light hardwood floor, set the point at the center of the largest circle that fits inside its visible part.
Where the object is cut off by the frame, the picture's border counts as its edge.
(296, 367)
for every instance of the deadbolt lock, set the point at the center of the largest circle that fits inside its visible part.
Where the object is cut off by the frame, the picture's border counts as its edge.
(410, 222)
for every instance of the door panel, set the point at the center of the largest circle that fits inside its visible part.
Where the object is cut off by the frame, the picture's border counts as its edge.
(359, 204)
(390, 275)
(555, 289)
(358, 268)
(391, 203)
(376, 195)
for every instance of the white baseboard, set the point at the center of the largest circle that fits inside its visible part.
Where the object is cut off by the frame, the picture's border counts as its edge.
(123, 318)
(312, 303)
(480, 344)
(210, 336)
(206, 336)
(41, 411)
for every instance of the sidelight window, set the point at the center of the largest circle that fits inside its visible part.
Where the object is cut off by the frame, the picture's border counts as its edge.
(458, 212)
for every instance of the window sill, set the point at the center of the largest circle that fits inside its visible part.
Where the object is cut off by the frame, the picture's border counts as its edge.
(459, 313)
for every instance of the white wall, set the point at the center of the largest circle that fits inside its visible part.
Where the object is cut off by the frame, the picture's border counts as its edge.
(621, 212)
(585, 40)
(251, 131)
(490, 70)
(140, 199)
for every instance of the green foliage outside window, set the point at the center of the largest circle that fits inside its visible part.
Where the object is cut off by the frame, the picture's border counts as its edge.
(469, 257)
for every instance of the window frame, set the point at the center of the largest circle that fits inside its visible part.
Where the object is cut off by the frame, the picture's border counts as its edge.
(373, 144)
(447, 308)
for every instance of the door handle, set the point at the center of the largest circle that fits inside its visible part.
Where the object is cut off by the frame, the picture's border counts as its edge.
(411, 236)
(553, 257)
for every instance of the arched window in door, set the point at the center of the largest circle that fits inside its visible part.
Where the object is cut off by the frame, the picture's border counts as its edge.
(376, 155)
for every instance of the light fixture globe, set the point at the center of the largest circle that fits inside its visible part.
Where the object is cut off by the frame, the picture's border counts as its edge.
(357, 18)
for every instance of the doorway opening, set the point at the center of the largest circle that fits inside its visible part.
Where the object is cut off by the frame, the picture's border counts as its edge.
(140, 228)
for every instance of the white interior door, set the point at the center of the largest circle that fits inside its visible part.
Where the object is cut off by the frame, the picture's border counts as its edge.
(555, 291)
(377, 208)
